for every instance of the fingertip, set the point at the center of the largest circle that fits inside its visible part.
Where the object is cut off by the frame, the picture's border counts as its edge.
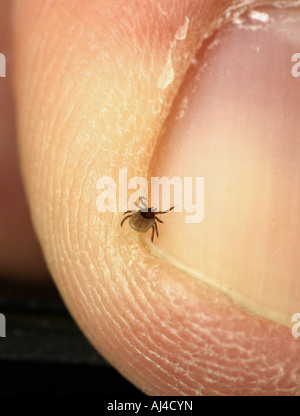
(102, 108)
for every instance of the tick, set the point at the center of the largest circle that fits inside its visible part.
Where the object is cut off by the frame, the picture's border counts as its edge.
(145, 218)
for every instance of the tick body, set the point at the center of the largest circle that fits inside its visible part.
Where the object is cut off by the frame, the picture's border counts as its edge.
(145, 218)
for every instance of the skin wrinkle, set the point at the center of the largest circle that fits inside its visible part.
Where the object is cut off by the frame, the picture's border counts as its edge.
(126, 309)
(79, 285)
(141, 354)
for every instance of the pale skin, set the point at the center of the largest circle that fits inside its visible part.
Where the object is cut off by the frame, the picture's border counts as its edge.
(87, 104)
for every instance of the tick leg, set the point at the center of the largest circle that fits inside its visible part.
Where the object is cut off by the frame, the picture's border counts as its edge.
(127, 212)
(152, 237)
(144, 207)
(137, 205)
(157, 219)
(125, 219)
(156, 229)
(142, 199)
(164, 212)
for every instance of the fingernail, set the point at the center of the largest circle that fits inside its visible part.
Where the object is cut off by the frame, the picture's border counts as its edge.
(235, 123)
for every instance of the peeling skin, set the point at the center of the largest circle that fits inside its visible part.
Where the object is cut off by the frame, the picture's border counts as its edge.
(160, 327)
(260, 16)
(167, 75)
(283, 4)
(182, 31)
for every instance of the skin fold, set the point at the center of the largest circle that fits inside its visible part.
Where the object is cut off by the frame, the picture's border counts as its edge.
(93, 88)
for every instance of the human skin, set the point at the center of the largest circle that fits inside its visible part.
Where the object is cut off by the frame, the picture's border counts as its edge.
(20, 254)
(88, 103)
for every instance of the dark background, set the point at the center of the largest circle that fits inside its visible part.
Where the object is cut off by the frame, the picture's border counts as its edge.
(44, 352)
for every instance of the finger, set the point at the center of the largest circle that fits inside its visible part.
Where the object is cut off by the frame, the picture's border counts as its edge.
(20, 255)
(97, 85)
